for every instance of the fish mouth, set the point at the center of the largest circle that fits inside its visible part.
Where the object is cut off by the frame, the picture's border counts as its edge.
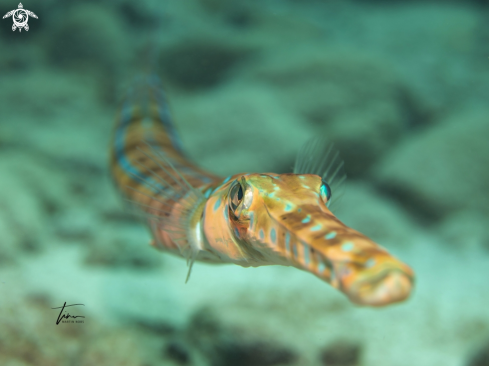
(389, 286)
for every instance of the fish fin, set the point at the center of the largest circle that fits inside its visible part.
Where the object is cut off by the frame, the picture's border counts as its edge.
(147, 93)
(320, 157)
(156, 243)
(178, 202)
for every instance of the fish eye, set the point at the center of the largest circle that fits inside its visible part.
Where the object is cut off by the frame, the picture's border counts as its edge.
(325, 192)
(235, 197)
(240, 199)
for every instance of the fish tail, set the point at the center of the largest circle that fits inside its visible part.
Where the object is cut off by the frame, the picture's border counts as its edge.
(151, 170)
(143, 128)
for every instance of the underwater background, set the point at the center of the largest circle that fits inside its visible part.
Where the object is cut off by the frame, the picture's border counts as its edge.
(400, 87)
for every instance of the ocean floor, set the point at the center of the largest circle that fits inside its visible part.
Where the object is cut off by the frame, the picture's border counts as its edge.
(442, 323)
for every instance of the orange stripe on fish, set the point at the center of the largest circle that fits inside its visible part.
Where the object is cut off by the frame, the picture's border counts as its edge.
(248, 219)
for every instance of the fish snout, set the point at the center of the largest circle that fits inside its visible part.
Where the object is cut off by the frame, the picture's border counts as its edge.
(385, 283)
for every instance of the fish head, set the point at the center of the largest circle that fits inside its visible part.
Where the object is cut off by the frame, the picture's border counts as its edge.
(284, 219)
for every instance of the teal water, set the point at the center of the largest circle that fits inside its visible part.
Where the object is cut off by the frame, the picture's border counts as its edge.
(400, 87)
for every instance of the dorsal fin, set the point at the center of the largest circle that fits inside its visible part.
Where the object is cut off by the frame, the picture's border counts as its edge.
(179, 200)
(320, 157)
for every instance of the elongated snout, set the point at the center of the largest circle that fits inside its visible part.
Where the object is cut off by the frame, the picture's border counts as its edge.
(363, 270)
(380, 281)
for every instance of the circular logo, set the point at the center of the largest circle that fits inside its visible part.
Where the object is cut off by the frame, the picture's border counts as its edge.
(20, 18)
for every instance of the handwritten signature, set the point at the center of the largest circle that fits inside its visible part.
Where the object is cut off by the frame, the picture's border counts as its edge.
(62, 316)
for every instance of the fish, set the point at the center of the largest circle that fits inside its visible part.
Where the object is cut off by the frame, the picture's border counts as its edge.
(246, 219)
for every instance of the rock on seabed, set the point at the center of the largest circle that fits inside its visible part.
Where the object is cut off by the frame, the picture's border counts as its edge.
(442, 169)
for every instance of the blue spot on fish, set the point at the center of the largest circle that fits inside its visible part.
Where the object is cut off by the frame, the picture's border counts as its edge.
(370, 263)
(218, 203)
(262, 234)
(273, 236)
(306, 219)
(288, 207)
(321, 267)
(208, 193)
(226, 180)
(331, 235)
(316, 228)
(348, 246)
(299, 210)
(295, 251)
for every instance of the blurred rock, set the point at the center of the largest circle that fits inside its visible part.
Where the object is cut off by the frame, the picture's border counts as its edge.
(352, 98)
(123, 246)
(235, 13)
(441, 170)
(100, 349)
(59, 115)
(11, 239)
(25, 341)
(177, 352)
(254, 353)
(366, 210)
(200, 63)
(224, 346)
(465, 230)
(341, 354)
(158, 327)
(204, 329)
(256, 133)
(480, 357)
(90, 38)
(31, 191)
(42, 93)
(21, 57)
(139, 15)
(76, 224)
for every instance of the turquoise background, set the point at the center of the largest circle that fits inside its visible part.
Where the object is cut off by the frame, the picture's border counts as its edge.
(400, 87)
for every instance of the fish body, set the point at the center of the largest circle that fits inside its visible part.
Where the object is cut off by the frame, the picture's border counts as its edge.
(247, 219)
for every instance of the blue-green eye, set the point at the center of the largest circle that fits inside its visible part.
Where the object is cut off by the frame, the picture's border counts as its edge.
(325, 192)
(236, 196)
